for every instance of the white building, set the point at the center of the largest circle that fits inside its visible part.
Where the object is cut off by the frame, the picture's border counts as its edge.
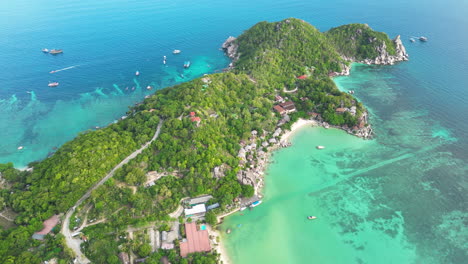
(198, 209)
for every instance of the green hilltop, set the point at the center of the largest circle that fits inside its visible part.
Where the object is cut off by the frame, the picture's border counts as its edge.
(268, 59)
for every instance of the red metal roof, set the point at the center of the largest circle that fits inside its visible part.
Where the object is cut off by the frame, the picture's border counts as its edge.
(192, 114)
(197, 240)
(49, 224)
(279, 109)
(302, 77)
(195, 119)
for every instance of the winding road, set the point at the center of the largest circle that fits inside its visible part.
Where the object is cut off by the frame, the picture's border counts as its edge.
(74, 244)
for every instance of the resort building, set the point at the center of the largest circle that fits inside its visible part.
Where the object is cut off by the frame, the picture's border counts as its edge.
(49, 224)
(279, 109)
(197, 210)
(288, 106)
(197, 240)
(341, 110)
(279, 99)
(200, 199)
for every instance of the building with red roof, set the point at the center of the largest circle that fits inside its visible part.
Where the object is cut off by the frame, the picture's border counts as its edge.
(302, 77)
(192, 114)
(195, 119)
(49, 224)
(279, 109)
(197, 240)
(341, 110)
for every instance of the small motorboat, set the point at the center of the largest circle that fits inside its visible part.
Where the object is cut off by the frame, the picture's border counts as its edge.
(256, 203)
(243, 208)
(137, 73)
(228, 231)
(149, 87)
(423, 39)
(320, 147)
(20, 147)
(55, 51)
(310, 217)
(52, 71)
(53, 84)
(412, 40)
(186, 64)
(45, 50)
(176, 51)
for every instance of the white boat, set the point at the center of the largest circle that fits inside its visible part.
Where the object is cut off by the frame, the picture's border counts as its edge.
(412, 40)
(20, 147)
(423, 39)
(137, 73)
(149, 87)
(53, 84)
(256, 203)
(243, 208)
(45, 50)
(320, 147)
(176, 51)
(310, 217)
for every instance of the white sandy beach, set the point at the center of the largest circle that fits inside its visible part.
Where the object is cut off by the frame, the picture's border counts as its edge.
(218, 245)
(298, 124)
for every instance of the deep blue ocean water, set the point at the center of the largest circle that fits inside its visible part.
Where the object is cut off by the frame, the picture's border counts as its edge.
(107, 41)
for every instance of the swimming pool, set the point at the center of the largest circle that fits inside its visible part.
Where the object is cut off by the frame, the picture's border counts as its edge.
(202, 227)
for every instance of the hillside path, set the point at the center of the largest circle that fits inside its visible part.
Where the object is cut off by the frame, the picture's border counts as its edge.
(74, 244)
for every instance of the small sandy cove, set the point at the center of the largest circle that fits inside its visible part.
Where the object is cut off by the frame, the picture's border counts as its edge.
(298, 124)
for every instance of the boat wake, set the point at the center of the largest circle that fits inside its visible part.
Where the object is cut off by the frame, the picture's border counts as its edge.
(64, 69)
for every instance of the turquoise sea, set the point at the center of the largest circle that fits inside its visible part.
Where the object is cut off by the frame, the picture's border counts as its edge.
(400, 198)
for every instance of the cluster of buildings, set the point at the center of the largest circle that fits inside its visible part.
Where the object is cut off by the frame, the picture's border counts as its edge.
(194, 117)
(284, 107)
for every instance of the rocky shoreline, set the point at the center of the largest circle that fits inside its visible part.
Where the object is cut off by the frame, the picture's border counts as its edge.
(255, 152)
(230, 48)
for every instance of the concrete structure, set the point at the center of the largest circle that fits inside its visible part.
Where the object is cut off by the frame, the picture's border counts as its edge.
(213, 206)
(198, 209)
(200, 199)
(166, 245)
(197, 240)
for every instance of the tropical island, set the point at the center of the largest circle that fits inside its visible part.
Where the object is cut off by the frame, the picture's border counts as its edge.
(136, 190)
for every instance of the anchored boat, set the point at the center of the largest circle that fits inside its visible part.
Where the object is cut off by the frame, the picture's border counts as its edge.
(45, 50)
(256, 203)
(176, 51)
(187, 64)
(311, 217)
(137, 73)
(55, 51)
(320, 147)
(53, 84)
(423, 39)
